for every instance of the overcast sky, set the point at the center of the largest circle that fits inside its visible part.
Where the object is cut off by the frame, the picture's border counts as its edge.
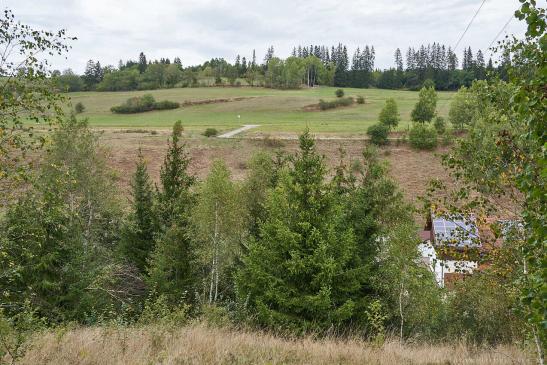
(110, 30)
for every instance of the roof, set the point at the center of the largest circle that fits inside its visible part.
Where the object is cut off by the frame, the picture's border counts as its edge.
(456, 231)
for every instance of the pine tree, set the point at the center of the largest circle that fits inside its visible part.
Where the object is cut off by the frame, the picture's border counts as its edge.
(237, 65)
(269, 55)
(480, 72)
(142, 63)
(138, 236)
(490, 66)
(410, 59)
(303, 271)
(452, 60)
(243, 66)
(90, 78)
(398, 60)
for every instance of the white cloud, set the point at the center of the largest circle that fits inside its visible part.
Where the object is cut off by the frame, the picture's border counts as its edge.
(109, 30)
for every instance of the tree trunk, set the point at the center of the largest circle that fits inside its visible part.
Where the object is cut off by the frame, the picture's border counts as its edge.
(539, 346)
(212, 281)
(401, 293)
(214, 267)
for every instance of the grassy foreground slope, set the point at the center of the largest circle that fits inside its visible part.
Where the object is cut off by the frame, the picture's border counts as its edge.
(274, 110)
(198, 344)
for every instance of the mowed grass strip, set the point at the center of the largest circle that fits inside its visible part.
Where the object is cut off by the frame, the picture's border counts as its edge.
(275, 110)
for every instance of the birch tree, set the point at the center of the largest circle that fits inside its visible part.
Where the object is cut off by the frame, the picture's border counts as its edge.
(219, 221)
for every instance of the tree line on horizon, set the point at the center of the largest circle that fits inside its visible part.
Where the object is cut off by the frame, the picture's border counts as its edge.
(306, 66)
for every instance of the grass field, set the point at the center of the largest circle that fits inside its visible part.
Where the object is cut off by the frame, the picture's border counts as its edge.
(201, 344)
(276, 111)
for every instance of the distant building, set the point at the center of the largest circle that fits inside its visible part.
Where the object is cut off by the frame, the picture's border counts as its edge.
(455, 246)
(450, 248)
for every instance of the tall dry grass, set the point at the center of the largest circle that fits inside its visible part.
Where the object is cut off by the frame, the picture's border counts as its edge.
(199, 344)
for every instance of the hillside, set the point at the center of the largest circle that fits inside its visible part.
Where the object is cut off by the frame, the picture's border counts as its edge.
(277, 111)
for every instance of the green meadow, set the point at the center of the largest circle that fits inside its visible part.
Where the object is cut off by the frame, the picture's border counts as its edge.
(276, 111)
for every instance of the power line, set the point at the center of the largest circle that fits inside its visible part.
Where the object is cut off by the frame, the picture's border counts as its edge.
(468, 25)
(501, 31)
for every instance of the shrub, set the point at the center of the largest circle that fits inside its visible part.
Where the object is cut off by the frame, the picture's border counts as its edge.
(439, 125)
(273, 142)
(423, 137)
(79, 107)
(447, 137)
(166, 104)
(158, 310)
(143, 103)
(135, 105)
(378, 134)
(210, 132)
(16, 331)
(360, 99)
(344, 101)
(325, 105)
(428, 83)
(339, 93)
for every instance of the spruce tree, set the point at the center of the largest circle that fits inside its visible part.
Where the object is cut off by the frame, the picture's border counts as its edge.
(142, 63)
(172, 264)
(173, 194)
(303, 271)
(398, 60)
(138, 235)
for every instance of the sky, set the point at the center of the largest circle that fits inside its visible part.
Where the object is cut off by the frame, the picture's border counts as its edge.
(195, 31)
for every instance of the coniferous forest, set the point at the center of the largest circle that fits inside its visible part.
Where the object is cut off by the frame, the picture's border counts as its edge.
(306, 66)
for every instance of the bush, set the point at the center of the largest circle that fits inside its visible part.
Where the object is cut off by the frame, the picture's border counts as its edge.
(158, 310)
(378, 134)
(79, 107)
(360, 99)
(273, 142)
(166, 104)
(447, 137)
(423, 137)
(339, 93)
(16, 331)
(344, 101)
(440, 125)
(325, 105)
(210, 132)
(142, 104)
(135, 105)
